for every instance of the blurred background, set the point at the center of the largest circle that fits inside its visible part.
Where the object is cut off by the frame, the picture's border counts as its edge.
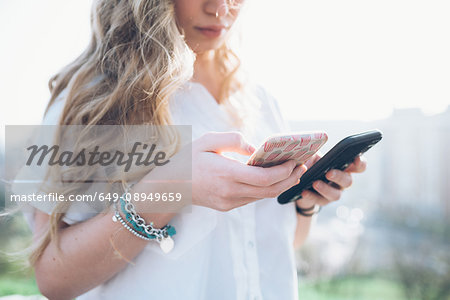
(339, 66)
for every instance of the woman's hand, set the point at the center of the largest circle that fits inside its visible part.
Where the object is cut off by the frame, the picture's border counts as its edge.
(332, 191)
(222, 183)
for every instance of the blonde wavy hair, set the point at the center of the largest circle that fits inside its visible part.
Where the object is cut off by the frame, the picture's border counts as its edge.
(135, 61)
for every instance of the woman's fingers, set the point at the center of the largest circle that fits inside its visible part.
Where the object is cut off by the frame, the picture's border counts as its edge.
(273, 190)
(344, 179)
(258, 176)
(332, 191)
(312, 160)
(341, 178)
(219, 142)
(310, 198)
(358, 165)
(327, 191)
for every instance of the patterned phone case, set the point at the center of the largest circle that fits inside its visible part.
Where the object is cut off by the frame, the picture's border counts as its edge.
(282, 147)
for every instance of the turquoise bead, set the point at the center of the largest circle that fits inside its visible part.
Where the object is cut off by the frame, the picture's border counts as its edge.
(171, 231)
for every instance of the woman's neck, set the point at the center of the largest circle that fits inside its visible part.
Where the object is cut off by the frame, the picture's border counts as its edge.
(207, 73)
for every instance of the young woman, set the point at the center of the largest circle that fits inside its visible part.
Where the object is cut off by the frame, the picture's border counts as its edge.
(169, 62)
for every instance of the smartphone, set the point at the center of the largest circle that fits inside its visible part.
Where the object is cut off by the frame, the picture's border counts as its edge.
(339, 157)
(282, 147)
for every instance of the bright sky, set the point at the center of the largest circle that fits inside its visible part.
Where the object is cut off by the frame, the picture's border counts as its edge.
(322, 59)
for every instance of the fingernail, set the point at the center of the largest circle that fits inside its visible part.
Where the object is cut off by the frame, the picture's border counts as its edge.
(251, 148)
(332, 174)
(304, 169)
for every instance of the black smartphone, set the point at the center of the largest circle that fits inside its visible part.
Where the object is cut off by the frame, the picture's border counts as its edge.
(339, 157)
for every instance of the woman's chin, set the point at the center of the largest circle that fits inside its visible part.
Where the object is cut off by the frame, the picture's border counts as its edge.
(206, 46)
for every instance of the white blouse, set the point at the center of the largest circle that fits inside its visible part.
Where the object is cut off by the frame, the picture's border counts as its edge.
(245, 253)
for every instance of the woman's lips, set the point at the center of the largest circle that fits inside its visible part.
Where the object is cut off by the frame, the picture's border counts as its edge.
(211, 31)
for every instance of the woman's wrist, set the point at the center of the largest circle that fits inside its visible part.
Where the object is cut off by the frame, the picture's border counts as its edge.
(303, 203)
(306, 207)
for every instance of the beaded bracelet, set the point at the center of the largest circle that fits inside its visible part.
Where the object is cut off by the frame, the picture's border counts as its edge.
(138, 226)
(117, 217)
